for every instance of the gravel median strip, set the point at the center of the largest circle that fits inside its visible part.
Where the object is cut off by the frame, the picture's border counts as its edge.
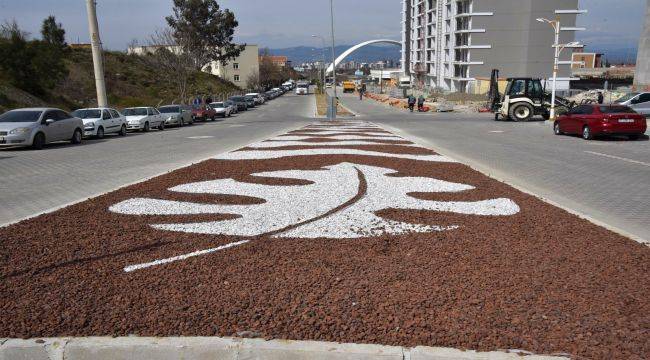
(378, 244)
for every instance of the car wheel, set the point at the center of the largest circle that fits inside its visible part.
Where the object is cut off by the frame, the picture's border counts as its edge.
(76, 137)
(146, 127)
(586, 133)
(556, 128)
(123, 130)
(521, 112)
(181, 124)
(496, 116)
(100, 133)
(161, 127)
(39, 141)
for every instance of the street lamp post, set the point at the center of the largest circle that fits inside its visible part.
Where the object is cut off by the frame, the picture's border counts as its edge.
(556, 58)
(98, 61)
(323, 54)
(336, 99)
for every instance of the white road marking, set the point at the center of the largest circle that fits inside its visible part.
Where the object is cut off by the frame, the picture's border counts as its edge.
(276, 154)
(200, 137)
(619, 158)
(497, 131)
(236, 125)
(182, 257)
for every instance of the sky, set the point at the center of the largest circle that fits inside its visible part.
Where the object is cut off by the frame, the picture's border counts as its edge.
(287, 23)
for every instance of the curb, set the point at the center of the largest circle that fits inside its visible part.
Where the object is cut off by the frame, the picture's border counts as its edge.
(101, 348)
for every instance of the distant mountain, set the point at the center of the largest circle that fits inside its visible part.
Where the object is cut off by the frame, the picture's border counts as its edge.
(371, 53)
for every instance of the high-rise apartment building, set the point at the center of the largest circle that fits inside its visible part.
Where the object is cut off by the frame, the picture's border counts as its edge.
(448, 44)
(642, 76)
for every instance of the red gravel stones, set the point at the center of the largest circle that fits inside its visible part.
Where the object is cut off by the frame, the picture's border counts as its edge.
(540, 279)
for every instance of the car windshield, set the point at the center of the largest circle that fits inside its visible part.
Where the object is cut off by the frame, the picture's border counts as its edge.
(17, 116)
(237, 98)
(626, 97)
(218, 105)
(87, 113)
(304, 86)
(135, 112)
(249, 97)
(616, 110)
(169, 109)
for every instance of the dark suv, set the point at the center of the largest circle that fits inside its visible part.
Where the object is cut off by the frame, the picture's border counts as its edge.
(240, 101)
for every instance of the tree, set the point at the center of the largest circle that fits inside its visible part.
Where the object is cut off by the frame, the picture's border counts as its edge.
(204, 31)
(53, 33)
(169, 57)
(31, 65)
(253, 80)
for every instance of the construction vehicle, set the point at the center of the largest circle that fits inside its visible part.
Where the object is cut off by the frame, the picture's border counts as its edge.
(349, 86)
(523, 99)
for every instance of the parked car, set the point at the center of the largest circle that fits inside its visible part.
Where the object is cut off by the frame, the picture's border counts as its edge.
(234, 109)
(203, 113)
(271, 94)
(221, 109)
(593, 120)
(639, 102)
(240, 101)
(250, 101)
(257, 97)
(143, 119)
(36, 127)
(179, 115)
(101, 121)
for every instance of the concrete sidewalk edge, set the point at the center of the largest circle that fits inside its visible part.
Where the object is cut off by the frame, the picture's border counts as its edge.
(101, 348)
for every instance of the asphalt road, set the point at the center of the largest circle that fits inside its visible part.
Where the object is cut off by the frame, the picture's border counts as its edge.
(33, 182)
(606, 179)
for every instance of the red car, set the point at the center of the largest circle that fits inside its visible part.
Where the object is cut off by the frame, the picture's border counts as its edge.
(593, 120)
(203, 112)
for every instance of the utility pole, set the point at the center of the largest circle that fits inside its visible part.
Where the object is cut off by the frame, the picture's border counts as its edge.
(98, 61)
(556, 45)
(336, 98)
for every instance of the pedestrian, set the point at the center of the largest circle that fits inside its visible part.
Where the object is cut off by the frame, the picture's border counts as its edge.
(411, 102)
(208, 100)
(362, 90)
(421, 103)
(601, 97)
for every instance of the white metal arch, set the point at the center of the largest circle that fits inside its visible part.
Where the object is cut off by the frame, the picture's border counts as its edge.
(356, 47)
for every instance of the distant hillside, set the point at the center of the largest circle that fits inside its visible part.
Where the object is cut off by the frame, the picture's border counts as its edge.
(130, 81)
(371, 53)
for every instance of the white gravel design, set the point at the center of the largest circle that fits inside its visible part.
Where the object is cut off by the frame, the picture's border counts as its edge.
(279, 143)
(332, 187)
(338, 137)
(339, 132)
(276, 154)
(284, 206)
(389, 192)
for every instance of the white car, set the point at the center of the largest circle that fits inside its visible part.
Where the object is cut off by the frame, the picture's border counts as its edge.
(259, 99)
(639, 102)
(36, 127)
(143, 119)
(222, 109)
(101, 121)
(302, 89)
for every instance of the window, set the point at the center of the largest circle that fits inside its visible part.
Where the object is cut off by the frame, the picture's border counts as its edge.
(149, 111)
(115, 113)
(60, 115)
(644, 98)
(236, 78)
(106, 115)
(235, 66)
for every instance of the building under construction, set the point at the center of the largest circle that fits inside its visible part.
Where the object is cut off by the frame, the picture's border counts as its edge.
(449, 44)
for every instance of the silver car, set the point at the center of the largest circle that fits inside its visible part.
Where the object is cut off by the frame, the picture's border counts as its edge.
(179, 115)
(36, 127)
(639, 102)
(221, 108)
